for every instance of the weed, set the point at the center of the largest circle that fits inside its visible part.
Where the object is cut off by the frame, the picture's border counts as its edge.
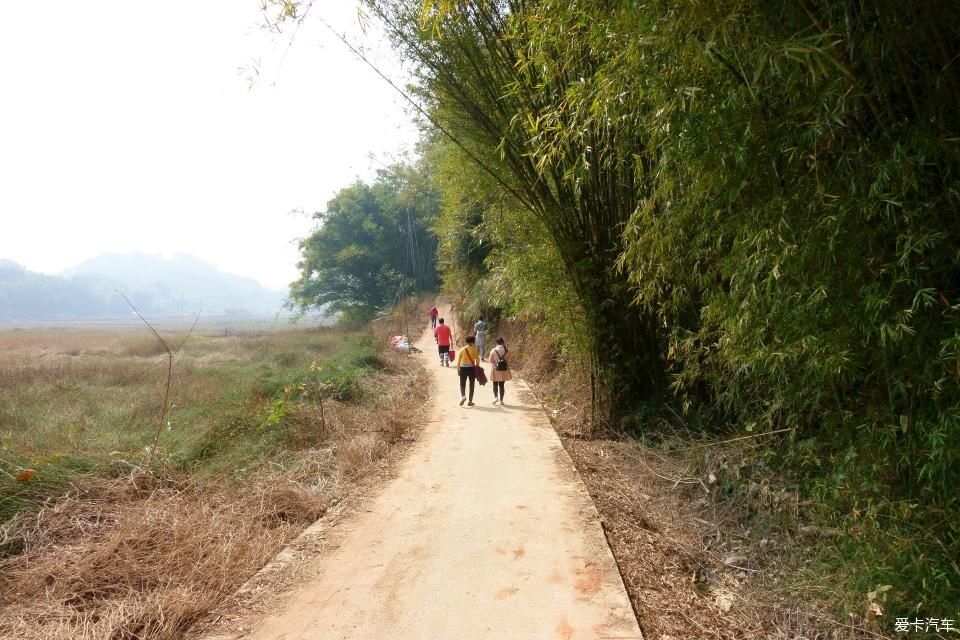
(120, 552)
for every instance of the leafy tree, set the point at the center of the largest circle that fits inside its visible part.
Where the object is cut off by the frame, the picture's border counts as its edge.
(372, 243)
(474, 66)
(754, 207)
(497, 258)
(798, 193)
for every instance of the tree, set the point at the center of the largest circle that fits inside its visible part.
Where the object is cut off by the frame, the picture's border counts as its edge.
(479, 68)
(372, 243)
(755, 205)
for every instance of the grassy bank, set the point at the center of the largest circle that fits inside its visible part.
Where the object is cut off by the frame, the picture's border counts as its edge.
(264, 432)
(78, 402)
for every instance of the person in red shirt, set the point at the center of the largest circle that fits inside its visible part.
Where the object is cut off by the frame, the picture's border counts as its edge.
(433, 317)
(442, 334)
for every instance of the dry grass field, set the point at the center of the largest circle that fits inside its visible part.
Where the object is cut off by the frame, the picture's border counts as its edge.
(264, 431)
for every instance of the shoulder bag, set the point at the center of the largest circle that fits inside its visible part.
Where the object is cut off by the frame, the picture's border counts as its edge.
(478, 371)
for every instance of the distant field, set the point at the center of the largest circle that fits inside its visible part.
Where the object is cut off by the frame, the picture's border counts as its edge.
(72, 401)
(208, 324)
(268, 427)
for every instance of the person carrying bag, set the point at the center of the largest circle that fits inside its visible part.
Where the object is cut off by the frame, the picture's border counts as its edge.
(499, 370)
(468, 363)
(481, 374)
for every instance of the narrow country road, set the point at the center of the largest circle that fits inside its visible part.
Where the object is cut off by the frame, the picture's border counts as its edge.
(487, 532)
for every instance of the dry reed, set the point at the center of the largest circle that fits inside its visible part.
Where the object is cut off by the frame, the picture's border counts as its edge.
(148, 554)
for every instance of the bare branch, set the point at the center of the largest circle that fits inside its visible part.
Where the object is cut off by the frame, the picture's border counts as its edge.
(170, 355)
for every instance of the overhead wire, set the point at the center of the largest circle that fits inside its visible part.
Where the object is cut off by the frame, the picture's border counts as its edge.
(416, 105)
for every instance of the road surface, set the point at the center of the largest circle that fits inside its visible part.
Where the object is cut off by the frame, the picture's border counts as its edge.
(487, 532)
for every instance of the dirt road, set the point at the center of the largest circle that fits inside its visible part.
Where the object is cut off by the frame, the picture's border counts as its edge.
(487, 532)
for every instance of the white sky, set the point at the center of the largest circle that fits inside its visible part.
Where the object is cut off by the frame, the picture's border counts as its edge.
(129, 126)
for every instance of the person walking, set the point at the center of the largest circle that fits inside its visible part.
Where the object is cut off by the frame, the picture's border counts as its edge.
(442, 335)
(480, 329)
(467, 360)
(433, 317)
(499, 369)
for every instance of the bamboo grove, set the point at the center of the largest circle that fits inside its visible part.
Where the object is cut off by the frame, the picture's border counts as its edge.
(744, 212)
(754, 206)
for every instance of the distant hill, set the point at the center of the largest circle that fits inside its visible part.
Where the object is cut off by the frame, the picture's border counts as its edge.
(25, 295)
(158, 286)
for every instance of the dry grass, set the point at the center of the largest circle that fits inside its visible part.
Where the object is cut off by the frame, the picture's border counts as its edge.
(149, 553)
(73, 391)
(687, 575)
(692, 567)
(122, 561)
(410, 315)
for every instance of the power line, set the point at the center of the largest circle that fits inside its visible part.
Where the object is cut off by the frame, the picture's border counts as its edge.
(493, 174)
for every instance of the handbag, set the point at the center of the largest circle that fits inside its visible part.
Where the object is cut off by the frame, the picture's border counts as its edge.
(478, 372)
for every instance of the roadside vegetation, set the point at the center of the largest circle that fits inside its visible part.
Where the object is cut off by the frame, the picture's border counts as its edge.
(265, 432)
(733, 222)
(122, 516)
(722, 240)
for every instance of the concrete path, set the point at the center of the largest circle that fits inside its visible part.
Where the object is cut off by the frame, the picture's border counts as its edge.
(488, 532)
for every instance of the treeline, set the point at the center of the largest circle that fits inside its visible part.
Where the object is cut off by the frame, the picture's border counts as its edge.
(373, 244)
(747, 211)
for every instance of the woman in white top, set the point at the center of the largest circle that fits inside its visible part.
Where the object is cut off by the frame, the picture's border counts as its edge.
(499, 369)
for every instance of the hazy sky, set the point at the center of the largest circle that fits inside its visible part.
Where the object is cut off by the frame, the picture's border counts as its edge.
(131, 126)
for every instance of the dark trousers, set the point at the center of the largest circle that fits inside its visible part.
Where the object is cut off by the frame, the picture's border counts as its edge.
(498, 387)
(467, 373)
(433, 322)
